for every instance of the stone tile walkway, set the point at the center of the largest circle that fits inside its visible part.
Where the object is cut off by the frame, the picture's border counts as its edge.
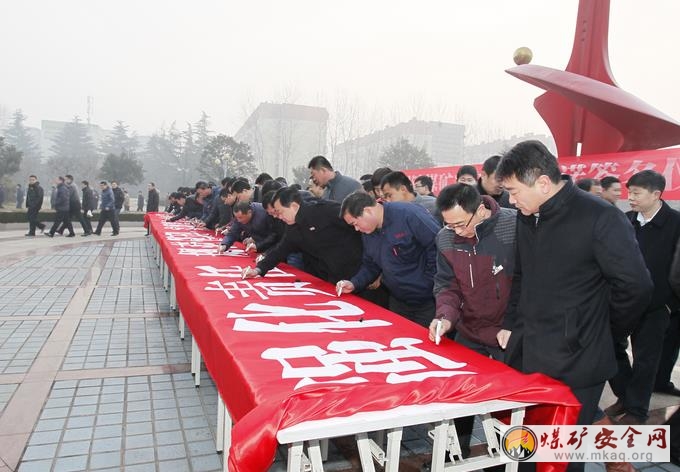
(93, 375)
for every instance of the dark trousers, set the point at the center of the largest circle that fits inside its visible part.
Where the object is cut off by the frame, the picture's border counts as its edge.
(633, 385)
(669, 353)
(33, 222)
(80, 218)
(465, 425)
(422, 314)
(62, 217)
(86, 222)
(110, 216)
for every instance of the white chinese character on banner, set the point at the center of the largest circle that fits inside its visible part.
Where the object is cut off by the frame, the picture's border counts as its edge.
(188, 236)
(234, 272)
(330, 313)
(196, 245)
(598, 170)
(575, 170)
(637, 166)
(271, 289)
(183, 251)
(362, 357)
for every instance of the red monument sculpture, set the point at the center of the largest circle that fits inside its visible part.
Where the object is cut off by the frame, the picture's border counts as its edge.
(583, 104)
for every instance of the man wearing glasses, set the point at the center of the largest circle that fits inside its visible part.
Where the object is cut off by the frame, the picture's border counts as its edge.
(399, 241)
(475, 262)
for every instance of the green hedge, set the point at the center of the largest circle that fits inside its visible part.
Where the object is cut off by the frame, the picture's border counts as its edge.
(19, 216)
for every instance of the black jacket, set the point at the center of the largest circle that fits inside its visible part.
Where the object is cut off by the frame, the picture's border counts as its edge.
(89, 202)
(118, 197)
(74, 199)
(579, 278)
(152, 201)
(321, 236)
(658, 240)
(191, 209)
(34, 197)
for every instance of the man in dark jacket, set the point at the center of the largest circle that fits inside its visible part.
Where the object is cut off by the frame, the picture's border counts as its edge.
(153, 199)
(62, 207)
(579, 278)
(118, 197)
(253, 227)
(34, 200)
(657, 228)
(331, 249)
(399, 242)
(489, 185)
(107, 210)
(89, 205)
(336, 186)
(74, 206)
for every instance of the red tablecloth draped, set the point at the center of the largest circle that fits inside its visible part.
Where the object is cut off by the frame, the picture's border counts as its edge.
(285, 349)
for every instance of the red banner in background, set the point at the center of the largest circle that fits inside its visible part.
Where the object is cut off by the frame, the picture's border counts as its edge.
(621, 165)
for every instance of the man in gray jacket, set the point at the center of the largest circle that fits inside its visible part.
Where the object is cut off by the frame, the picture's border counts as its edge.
(337, 186)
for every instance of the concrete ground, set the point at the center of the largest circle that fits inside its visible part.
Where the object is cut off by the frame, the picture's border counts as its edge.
(93, 375)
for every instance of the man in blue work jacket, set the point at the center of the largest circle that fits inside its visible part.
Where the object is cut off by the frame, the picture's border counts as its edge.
(400, 242)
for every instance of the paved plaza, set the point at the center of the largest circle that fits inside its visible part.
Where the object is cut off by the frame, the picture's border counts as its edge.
(94, 376)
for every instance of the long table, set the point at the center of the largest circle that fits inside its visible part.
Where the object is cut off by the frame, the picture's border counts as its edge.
(294, 363)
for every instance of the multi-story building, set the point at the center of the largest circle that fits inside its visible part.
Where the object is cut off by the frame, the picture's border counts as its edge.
(442, 141)
(478, 153)
(283, 136)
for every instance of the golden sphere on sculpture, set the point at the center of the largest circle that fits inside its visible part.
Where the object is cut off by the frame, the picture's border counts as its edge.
(522, 55)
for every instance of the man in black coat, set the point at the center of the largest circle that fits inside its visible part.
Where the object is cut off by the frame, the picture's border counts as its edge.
(89, 205)
(579, 278)
(74, 206)
(118, 197)
(315, 229)
(34, 200)
(153, 199)
(657, 228)
(62, 207)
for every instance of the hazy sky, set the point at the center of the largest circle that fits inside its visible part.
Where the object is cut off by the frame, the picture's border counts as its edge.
(153, 62)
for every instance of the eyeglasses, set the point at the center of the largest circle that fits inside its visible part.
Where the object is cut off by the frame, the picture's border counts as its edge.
(461, 225)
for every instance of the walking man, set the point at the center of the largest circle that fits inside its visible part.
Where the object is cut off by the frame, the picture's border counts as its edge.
(62, 206)
(108, 210)
(34, 201)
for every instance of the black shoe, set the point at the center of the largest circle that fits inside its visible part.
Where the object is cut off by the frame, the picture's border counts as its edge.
(49, 235)
(61, 233)
(631, 419)
(72, 235)
(669, 389)
(97, 234)
(85, 234)
(29, 234)
(42, 230)
(616, 409)
(114, 234)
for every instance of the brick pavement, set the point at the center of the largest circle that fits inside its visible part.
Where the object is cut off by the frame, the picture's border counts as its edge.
(93, 375)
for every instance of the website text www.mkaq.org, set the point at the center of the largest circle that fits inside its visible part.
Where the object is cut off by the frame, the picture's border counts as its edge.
(603, 456)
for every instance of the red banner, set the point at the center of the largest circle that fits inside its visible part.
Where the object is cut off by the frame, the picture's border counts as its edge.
(284, 349)
(621, 165)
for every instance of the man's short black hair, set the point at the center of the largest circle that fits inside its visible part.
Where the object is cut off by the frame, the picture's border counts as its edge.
(34, 176)
(242, 207)
(608, 182)
(319, 162)
(285, 196)
(103, 182)
(85, 182)
(396, 179)
(467, 170)
(378, 174)
(240, 185)
(527, 161)
(69, 176)
(424, 180)
(267, 199)
(152, 184)
(201, 184)
(465, 196)
(355, 202)
(649, 180)
(490, 165)
(225, 192)
(271, 186)
(262, 178)
(586, 184)
(282, 181)
(365, 177)
(60, 178)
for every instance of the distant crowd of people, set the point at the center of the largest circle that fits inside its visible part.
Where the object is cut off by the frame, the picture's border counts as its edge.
(71, 204)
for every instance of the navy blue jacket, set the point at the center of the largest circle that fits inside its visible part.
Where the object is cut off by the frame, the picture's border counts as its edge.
(260, 228)
(107, 202)
(209, 203)
(404, 250)
(61, 202)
